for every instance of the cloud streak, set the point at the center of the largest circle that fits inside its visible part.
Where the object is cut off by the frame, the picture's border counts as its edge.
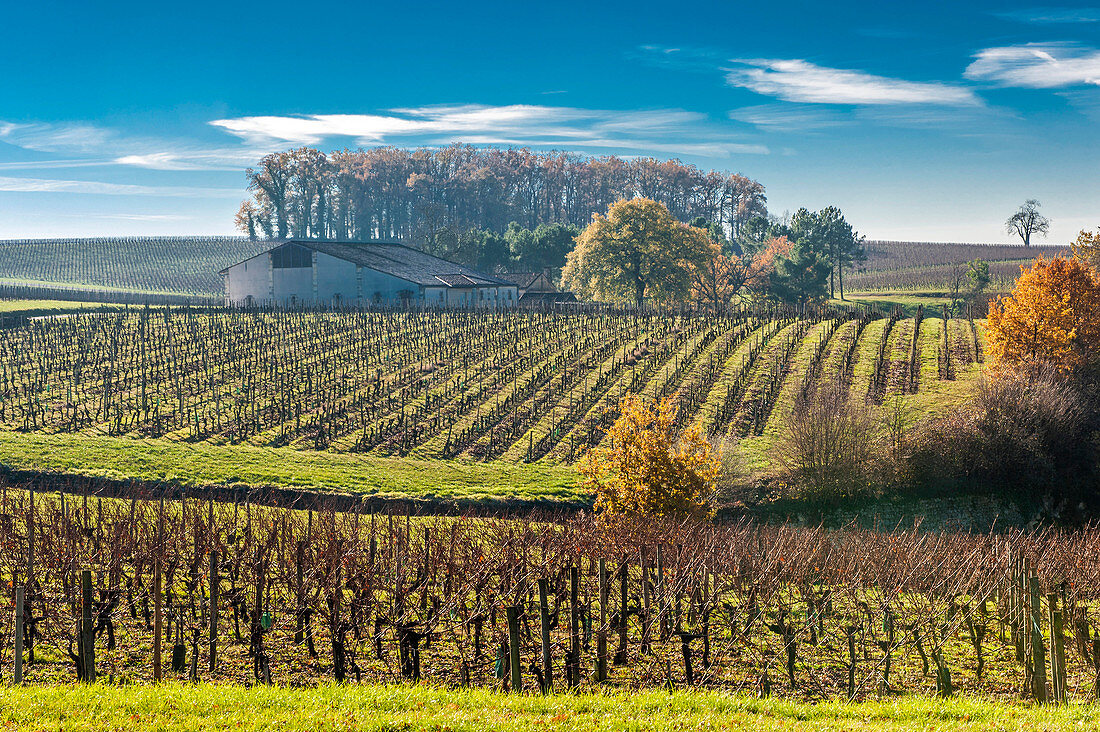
(797, 80)
(111, 148)
(1037, 66)
(1052, 16)
(89, 187)
(674, 131)
(781, 117)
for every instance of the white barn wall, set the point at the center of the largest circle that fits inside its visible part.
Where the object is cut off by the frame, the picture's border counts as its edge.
(334, 277)
(250, 278)
(381, 287)
(292, 284)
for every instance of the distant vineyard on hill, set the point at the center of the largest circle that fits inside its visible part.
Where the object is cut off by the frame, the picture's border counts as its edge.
(185, 265)
(907, 265)
(101, 269)
(512, 386)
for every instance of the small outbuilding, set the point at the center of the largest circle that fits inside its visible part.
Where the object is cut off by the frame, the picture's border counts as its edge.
(538, 289)
(382, 273)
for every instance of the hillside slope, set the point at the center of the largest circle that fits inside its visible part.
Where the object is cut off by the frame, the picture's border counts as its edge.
(517, 387)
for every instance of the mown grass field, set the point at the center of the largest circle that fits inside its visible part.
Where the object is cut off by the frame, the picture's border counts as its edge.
(183, 708)
(196, 465)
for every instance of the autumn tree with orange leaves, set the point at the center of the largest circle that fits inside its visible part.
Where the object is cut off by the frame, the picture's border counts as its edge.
(721, 277)
(650, 468)
(1051, 317)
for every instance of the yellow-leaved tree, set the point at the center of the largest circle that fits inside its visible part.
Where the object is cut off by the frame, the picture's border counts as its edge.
(1087, 247)
(650, 468)
(637, 251)
(1052, 316)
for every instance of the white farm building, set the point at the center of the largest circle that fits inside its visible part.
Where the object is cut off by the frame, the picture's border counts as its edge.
(303, 271)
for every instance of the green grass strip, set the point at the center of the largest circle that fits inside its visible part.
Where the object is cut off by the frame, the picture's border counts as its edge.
(175, 707)
(197, 464)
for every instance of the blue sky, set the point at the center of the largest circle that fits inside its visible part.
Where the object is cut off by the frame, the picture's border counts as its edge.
(922, 121)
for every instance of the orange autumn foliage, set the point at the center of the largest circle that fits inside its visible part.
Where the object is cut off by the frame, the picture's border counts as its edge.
(649, 469)
(1052, 316)
(720, 278)
(1087, 247)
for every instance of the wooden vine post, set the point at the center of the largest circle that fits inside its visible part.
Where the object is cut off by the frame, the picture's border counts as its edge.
(1057, 651)
(1038, 656)
(157, 582)
(512, 613)
(601, 631)
(17, 665)
(214, 581)
(87, 628)
(30, 571)
(572, 667)
(544, 623)
(624, 574)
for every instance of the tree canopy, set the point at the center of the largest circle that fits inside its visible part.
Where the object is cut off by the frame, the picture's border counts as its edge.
(424, 194)
(1052, 316)
(651, 469)
(637, 251)
(721, 278)
(1027, 222)
(1087, 247)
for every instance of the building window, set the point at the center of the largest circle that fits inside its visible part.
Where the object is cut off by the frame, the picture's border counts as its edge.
(291, 256)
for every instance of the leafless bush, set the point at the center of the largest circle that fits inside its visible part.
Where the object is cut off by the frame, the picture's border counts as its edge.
(829, 444)
(1022, 431)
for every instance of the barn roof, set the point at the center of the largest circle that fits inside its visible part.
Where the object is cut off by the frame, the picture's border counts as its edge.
(400, 261)
(523, 279)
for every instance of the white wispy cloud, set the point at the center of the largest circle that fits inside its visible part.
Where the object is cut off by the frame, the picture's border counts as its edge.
(43, 164)
(220, 159)
(44, 137)
(797, 80)
(1051, 16)
(636, 147)
(109, 147)
(780, 117)
(52, 185)
(517, 124)
(138, 217)
(1037, 65)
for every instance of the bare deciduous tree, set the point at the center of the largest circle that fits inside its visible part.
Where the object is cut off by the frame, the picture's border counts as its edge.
(1027, 221)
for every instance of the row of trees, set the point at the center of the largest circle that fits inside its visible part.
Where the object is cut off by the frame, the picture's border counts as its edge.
(639, 251)
(436, 195)
(518, 249)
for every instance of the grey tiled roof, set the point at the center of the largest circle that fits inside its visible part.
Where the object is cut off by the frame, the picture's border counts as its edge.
(401, 261)
(522, 279)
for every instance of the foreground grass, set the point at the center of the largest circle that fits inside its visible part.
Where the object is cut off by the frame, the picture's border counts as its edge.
(199, 464)
(175, 707)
